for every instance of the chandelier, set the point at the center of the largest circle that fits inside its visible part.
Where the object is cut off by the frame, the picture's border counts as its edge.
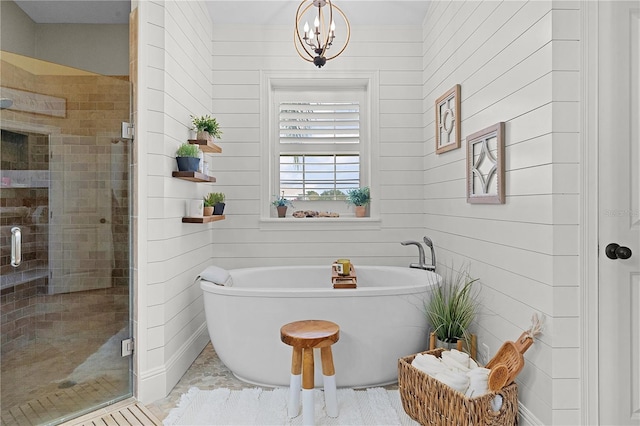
(312, 44)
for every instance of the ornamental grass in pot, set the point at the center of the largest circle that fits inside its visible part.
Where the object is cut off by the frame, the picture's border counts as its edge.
(453, 307)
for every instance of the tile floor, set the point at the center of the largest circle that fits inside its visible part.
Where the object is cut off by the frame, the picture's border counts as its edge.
(207, 372)
(55, 374)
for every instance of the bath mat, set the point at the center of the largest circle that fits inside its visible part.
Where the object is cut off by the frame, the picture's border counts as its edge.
(256, 406)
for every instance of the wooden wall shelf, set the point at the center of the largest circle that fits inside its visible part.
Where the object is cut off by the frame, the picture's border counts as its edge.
(204, 219)
(206, 145)
(193, 176)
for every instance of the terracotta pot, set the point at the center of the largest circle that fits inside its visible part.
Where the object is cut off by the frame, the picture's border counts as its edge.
(361, 211)
(205, 136)
(208, 211)
(282, 211)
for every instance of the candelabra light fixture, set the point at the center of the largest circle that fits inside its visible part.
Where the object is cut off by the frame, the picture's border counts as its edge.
(314, 44)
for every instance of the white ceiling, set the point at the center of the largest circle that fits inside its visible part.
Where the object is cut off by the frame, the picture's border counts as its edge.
(263, 12)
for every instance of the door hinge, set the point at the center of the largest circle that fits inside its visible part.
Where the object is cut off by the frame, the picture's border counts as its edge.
(128, 131)
(127, 347)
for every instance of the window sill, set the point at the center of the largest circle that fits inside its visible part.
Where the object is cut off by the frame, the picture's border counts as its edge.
(319, 223)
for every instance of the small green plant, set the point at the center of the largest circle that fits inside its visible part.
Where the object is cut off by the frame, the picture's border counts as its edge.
(213, 198)
(281, 201)
(453, 306)
(206, 123)
(188, 150)
(359, 196)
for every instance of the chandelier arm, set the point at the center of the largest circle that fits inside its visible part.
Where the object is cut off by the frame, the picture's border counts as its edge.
(346, 42)
(322, 25)
(297, 33)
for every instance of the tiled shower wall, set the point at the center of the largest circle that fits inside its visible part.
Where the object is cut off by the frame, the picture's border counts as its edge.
(95, 107)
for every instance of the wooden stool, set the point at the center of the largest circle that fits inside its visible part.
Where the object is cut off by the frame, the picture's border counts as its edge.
(305, 336)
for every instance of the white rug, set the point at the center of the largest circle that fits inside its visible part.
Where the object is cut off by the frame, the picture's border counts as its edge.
(373, 406)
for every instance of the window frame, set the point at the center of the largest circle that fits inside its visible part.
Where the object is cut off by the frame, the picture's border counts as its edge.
(343, 83)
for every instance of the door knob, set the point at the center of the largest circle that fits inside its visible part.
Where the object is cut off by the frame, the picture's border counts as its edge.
(615, 251)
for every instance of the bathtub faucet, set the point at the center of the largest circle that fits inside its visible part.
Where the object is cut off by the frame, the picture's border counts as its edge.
(421, 258)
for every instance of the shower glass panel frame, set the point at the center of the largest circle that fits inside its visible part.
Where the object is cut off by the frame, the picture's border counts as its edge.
(66, 185)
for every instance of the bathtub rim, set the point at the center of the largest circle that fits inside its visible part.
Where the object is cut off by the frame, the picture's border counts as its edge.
(328, 291)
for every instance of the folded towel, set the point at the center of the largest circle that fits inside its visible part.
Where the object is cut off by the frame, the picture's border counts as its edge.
(217, 276)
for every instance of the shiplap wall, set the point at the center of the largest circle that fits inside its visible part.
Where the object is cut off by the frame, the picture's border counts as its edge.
(517, 62)
(174, 83)
(241, 55)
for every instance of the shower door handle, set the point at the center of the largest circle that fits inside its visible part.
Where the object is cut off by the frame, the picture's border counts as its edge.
(16, 247)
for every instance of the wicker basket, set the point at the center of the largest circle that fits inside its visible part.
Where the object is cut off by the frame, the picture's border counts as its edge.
(430, 402)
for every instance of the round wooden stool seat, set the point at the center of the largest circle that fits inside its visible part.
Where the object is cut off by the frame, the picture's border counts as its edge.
(305, 336)
(310, 333)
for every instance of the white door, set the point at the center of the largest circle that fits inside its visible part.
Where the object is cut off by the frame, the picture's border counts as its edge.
(619, 212)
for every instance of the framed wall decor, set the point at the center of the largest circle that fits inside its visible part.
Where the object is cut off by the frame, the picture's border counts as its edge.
(448, 120)
(485, 166)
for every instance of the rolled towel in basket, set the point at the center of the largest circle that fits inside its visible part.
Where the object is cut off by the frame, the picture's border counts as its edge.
(428, 363)
(461, 357)
(478, 382)
(449, 360)
(217, 276)
(456, 381)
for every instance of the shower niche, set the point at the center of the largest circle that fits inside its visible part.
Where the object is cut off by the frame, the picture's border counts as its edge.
(24, 203)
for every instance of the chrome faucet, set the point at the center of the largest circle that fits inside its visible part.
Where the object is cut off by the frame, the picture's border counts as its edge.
(421, 258)
(429, 243)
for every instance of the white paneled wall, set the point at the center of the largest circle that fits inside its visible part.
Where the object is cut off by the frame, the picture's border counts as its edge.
(517, 62)
(174, 83)
(242, 55)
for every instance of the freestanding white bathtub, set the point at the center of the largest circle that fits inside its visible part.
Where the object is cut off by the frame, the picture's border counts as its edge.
(380, 321)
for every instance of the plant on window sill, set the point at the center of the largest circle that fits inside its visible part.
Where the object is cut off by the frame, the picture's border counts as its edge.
(281, 205)
(360, 198)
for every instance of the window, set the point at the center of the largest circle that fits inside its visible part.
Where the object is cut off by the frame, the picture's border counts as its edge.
(319, 149)
(319, 144)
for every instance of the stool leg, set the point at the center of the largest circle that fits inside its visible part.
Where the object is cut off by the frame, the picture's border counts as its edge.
(329, 377)
(308, 412)
(294, 383)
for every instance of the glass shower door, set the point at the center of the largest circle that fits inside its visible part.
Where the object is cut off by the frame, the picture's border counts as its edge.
(65, 286)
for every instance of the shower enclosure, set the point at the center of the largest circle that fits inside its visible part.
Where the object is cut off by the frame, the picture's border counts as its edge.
(65, 286)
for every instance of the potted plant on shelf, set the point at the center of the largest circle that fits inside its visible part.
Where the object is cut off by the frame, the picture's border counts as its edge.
(188, 157)
(360, 198)
(208, 204)
(452, 308)
(206, 127)
(218, 202)
(214, 203)
(281, 205)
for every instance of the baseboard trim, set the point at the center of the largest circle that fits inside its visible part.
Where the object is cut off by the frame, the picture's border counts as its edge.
(156, 383)
(526, 417)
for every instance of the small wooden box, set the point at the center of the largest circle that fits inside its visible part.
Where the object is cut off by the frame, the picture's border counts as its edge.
(344, 281)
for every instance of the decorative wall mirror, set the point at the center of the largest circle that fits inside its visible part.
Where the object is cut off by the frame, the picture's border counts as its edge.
(448, 120)
(485, 166)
